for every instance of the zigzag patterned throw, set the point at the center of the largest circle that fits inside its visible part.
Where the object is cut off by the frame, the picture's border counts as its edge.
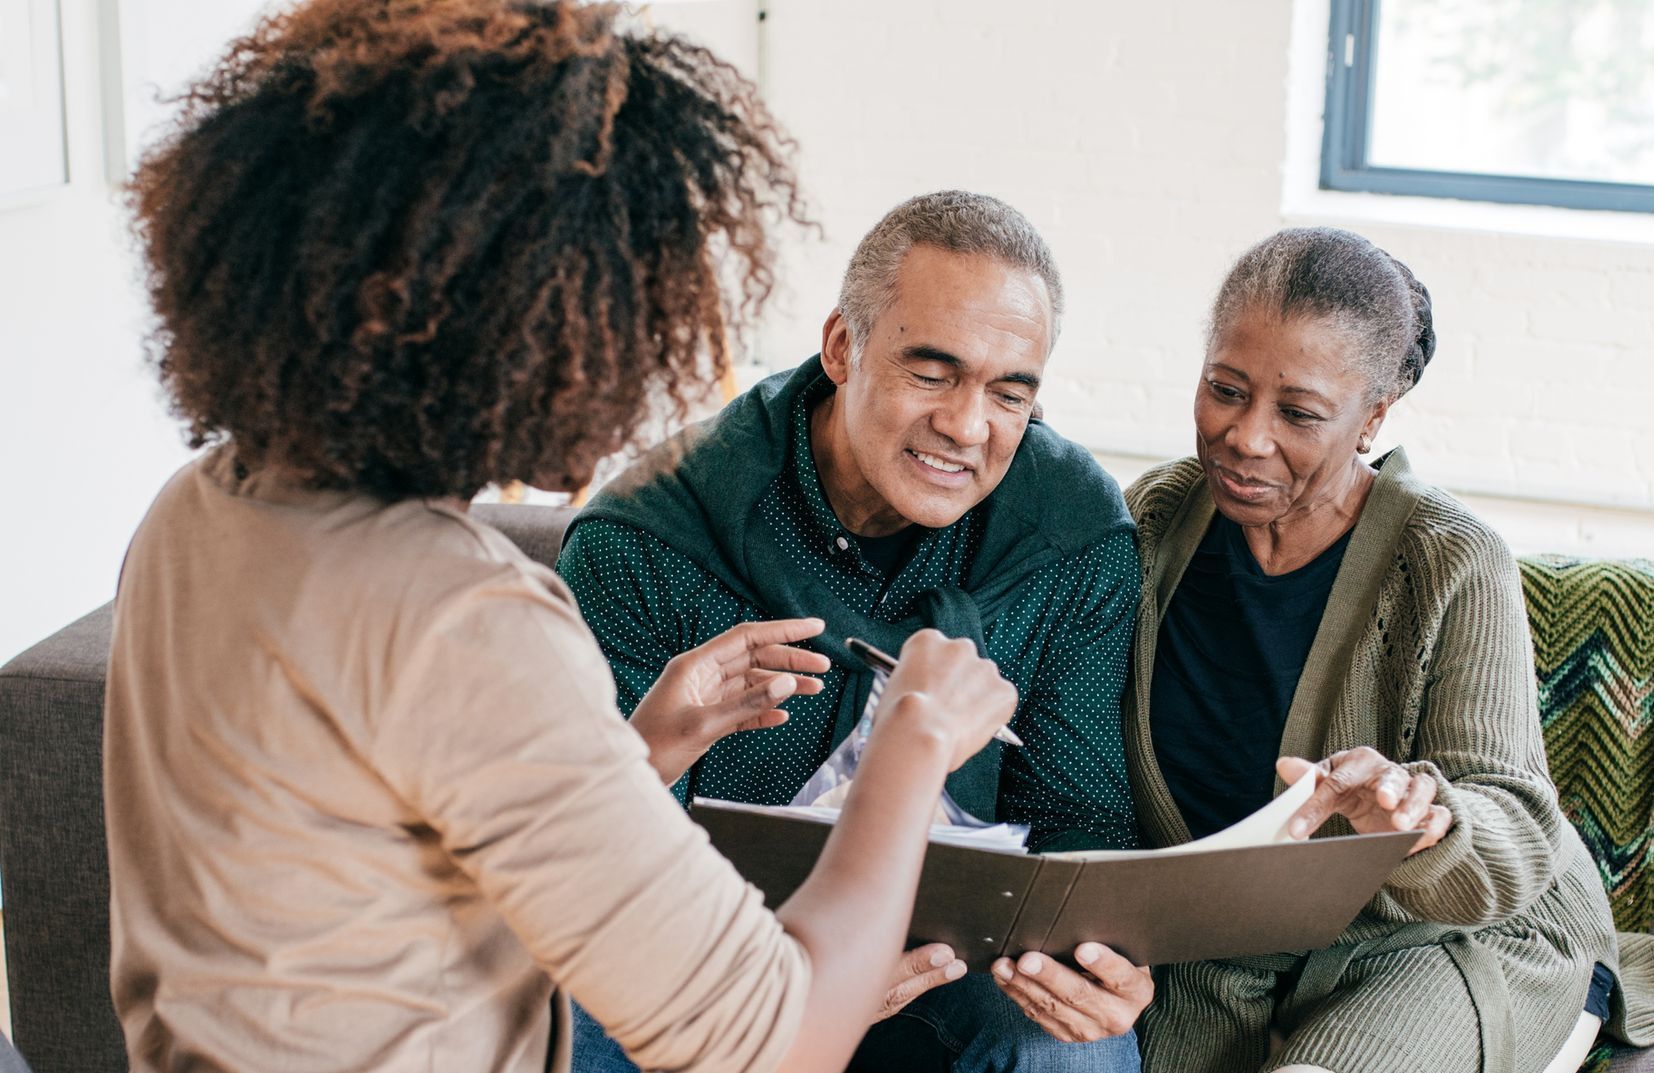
(1593, 639)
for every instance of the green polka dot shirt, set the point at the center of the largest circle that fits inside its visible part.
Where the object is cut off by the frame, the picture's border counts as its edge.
(1062, 640)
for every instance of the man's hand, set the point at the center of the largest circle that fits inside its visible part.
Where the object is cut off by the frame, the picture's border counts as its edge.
(919, 970)
(1077, 1007)
(1373, 792)
(733, 682)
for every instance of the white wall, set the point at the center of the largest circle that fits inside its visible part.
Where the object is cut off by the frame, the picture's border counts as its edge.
(85, 441)
(1149, 142)
(729, 28)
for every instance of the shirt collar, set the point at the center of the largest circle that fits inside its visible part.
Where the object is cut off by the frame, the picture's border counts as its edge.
(822, 524)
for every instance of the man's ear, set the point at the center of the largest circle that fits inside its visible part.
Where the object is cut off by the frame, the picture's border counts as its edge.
(835, 347)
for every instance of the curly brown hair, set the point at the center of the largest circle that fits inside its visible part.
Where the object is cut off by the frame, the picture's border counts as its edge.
(413, 247)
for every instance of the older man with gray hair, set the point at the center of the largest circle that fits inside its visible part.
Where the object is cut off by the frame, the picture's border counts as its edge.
(900, 480)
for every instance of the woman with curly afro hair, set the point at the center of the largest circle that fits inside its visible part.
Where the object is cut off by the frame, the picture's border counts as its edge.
(370, 803)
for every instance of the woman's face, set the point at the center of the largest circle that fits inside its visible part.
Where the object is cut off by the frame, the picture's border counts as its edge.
(1280, 407)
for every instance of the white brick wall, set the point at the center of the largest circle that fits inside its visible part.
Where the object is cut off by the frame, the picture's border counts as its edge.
(1147, 142)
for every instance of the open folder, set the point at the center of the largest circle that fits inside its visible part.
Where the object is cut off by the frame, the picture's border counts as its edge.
(1248, 889)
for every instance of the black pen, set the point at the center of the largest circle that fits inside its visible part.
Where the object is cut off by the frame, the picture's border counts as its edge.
(883, 661)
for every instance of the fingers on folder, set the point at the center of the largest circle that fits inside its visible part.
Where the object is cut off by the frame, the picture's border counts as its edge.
(919, 970)
(1077, 1007)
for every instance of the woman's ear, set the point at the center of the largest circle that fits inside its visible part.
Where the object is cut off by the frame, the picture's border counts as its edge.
(836, 345)
(1375, 421)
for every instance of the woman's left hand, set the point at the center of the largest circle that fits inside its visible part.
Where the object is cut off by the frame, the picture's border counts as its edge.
(1371, 791)
(734, 682)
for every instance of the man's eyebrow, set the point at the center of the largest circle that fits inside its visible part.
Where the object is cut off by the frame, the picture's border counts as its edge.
(926, 352)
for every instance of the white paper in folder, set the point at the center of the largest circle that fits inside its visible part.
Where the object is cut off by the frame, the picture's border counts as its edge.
(1263, 827)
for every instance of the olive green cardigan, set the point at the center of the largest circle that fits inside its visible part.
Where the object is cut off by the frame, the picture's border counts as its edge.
(1423, 653)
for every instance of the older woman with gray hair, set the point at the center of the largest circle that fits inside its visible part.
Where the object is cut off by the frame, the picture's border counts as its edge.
(1301, 601)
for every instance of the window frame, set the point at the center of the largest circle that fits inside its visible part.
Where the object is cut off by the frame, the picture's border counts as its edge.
(1351, 41)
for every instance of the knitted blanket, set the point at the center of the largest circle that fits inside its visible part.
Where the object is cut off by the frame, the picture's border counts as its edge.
(1593, 640)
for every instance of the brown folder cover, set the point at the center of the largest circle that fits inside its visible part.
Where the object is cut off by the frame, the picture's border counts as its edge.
(1152, 906)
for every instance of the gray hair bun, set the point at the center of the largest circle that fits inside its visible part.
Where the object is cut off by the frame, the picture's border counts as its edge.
(1423, 347)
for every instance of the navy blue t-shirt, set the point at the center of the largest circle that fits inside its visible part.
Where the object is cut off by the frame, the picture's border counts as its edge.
(1231, 649)
(888, 554)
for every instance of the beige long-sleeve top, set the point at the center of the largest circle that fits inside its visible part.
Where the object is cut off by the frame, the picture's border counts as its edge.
(369, 801)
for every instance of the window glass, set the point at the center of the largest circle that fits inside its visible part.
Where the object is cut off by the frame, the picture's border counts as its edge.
(1557, 89)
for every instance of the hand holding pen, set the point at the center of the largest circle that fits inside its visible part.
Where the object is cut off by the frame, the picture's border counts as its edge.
(883, 661)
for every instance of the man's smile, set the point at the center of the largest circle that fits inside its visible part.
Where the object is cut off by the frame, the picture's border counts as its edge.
(938, 462)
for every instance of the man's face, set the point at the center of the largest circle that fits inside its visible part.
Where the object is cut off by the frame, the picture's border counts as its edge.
(928, 420)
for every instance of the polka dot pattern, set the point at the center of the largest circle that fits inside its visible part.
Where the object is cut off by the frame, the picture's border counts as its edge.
(1063, 640)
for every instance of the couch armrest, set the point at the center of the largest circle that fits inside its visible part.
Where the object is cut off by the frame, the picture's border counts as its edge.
(537, 530)
(53, 862)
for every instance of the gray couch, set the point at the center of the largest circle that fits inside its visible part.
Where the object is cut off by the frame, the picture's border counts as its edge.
(52, 859)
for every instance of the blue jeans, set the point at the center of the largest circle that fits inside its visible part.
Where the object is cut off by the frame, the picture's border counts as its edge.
(594, 1051)
(968, 1026)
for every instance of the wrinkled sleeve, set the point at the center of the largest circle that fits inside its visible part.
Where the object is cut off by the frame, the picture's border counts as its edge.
(502, 732)
(1479, 737)
(1069, 782)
